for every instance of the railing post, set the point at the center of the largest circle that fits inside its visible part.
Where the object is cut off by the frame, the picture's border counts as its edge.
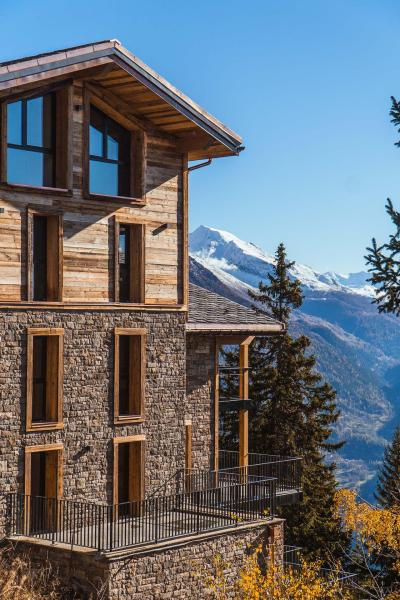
(156, 520)
(100, 511)
(198, 512)
(113, 512)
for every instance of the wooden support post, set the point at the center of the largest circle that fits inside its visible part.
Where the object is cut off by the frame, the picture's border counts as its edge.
(216, 405)
(244, 395)
(188, 454)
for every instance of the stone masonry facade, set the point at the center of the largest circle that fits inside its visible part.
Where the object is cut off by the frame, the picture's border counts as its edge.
(200, 358)
(88, 398)
(182, 571)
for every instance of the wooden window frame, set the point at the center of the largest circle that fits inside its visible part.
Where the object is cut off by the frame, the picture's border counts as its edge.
(58, 423)
(63, 139)
(134, 333)
(138, 150)
(56, 282)
(29, 450)
(137, 260)
(138, 485)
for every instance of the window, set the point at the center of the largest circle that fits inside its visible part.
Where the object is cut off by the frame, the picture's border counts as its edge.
(43, 484)
(130, 263)
(44, 257)
(129, 375)
(31, 141)
(128, 488)
(44, 379)
(36, 145)
(109, 154)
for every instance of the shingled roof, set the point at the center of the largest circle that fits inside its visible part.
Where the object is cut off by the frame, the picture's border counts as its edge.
(210, 312)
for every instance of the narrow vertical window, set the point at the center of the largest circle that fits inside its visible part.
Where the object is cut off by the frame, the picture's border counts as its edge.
(44, 379)
(130, 263)
(124, 263)
(39, 258)
(44, 256)
(31, 141)
(129, 375)
(128, 474)
(39, 391)
(43, 485)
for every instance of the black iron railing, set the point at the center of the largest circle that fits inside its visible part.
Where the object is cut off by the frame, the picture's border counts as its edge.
(208, 505)
(285, 469)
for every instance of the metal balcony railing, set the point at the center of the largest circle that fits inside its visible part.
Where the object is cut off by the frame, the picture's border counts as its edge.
(285, 469)
(207, 502)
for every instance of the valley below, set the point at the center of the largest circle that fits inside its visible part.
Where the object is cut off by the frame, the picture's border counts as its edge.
(357, 348)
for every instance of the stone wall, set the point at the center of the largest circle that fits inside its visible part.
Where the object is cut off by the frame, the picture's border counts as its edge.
(200, 359)
(181, 572)
(88, 398)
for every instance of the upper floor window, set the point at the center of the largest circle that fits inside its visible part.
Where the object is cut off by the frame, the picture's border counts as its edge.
(109, 156)
(130, 262)
(31, 141)
(44, 258)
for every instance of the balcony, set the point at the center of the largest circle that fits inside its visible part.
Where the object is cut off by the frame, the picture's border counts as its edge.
(203, 501)
(286, 470)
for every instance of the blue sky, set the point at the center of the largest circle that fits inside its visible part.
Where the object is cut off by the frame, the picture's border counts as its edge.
(306, 83)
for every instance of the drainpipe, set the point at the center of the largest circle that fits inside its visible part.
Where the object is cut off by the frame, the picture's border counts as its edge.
(203, 164)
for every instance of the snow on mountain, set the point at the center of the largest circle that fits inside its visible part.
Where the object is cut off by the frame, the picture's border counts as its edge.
(357, 348)
(226, 254)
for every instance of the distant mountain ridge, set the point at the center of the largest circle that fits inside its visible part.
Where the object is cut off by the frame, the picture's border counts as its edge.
(357, 348)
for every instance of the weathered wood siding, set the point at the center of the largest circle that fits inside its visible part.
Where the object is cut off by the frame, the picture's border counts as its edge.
(88, 228)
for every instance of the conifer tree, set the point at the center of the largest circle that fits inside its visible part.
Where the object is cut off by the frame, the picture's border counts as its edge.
(384, 260)
(388, 488)
(295, 414)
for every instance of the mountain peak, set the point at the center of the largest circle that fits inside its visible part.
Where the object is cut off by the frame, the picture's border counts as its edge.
(231, 258)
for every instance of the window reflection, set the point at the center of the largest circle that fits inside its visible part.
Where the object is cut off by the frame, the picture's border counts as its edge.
(109, 149)
(30, 141)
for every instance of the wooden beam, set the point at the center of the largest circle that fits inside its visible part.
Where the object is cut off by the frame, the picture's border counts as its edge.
(244, 395)
(111, 103)
(216, 405)
(185, 232)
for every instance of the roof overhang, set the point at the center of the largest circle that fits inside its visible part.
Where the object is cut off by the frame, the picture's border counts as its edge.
(208, 138)
(219, 328)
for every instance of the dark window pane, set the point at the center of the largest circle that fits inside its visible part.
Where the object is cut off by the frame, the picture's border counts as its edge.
(38, 474)
(103, 178)
(95, 141)
(123, 474)
(39, 378)
(14, 123)
(124, 343)
(39, 258)
(34, 130)
(124, 263)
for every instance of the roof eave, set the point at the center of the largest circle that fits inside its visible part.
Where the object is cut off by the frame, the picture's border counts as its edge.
(266, 329)
(137, 69)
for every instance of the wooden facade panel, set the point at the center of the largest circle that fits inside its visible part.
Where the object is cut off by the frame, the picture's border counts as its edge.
(88, 240)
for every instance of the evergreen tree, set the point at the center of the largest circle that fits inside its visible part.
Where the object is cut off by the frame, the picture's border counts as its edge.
(384, 260)
(388, 488)
(295, 414)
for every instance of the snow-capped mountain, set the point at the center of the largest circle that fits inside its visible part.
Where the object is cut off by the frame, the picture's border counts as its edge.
(357, 348)
(230, 257)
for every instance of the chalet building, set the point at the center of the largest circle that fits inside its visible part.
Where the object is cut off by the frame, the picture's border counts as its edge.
(113, 389)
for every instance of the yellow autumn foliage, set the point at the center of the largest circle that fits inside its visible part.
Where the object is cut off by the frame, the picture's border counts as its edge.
(292, 583)
(378, 529)
(272, 581)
